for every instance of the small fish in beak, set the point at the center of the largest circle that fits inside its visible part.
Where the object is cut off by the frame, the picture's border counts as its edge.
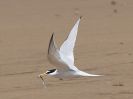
(41, 76)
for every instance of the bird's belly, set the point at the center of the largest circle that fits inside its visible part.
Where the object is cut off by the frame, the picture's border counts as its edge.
(64, 75)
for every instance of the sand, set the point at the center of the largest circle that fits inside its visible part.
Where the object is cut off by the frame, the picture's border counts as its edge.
(104, 46)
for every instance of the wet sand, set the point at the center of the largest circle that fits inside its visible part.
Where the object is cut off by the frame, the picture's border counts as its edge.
(104, 46)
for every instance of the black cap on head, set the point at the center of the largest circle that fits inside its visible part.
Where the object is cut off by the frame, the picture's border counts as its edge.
(50, 71)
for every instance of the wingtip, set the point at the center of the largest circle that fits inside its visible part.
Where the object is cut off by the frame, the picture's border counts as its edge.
(52, 34)
(80, 17)
(51, 39)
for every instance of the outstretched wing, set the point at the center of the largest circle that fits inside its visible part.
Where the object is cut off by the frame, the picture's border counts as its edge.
(66, 49)
(54, 55)
(53, 52)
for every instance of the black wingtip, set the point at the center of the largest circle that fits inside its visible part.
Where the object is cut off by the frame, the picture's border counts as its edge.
(53, 34)
(51, 39)
(80, 17)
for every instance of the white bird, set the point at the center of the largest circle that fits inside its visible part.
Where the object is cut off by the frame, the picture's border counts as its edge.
(63, 58)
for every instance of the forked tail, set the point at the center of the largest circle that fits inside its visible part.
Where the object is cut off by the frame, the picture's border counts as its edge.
(87, 74)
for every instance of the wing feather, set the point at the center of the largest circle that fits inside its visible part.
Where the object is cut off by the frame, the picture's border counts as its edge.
(66, 49)
(54, 55)
(63, 59)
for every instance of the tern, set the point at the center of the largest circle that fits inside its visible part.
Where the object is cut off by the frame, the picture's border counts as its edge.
(63, 58)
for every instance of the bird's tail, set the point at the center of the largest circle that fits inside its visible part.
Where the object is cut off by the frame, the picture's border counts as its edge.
(87, 74)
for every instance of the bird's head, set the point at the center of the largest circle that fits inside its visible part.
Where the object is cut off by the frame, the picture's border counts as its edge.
(48, 72)
(51, 72)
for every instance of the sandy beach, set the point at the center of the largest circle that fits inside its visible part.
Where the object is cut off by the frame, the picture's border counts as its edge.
(104, 46)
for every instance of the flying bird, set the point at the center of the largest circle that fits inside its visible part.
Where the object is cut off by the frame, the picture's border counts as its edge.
(63, 58)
